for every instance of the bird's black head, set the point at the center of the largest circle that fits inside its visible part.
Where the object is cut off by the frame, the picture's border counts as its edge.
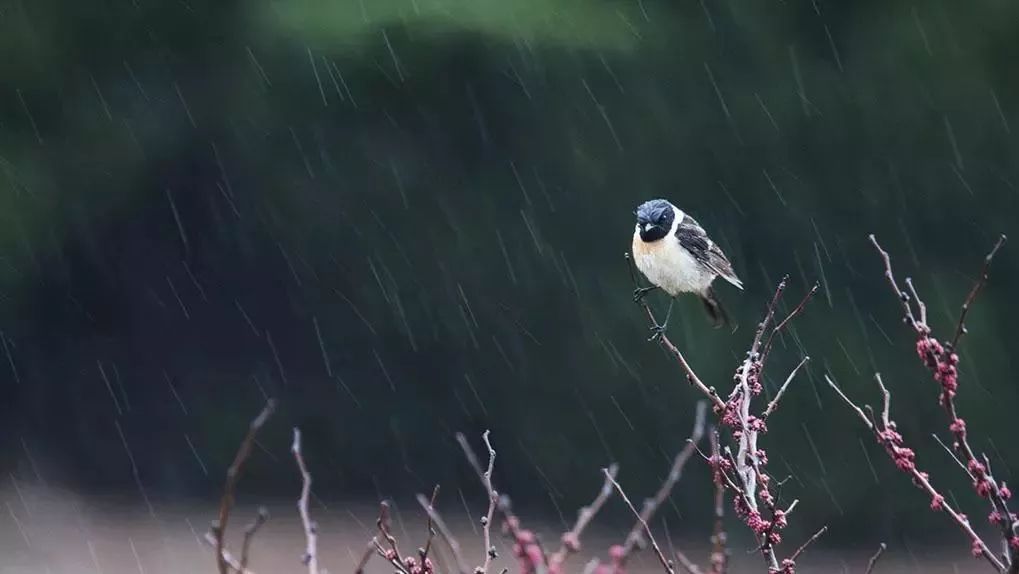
(654, 219)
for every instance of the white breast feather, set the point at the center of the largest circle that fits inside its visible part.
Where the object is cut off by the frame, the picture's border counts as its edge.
(669, 266)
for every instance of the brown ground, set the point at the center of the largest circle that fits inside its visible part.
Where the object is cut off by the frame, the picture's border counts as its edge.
(45, 531)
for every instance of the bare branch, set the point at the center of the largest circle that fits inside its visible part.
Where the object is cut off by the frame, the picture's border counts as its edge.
(310, 557)
(232, 563)
(365, 557)
(809, 541)
(889, 438)
(444, 533)
(985, 271)
(233, 475)
(719, 538)
(647, 529)
(675, 473)
(430, 509)
(249, 533)
(493, 499)
(781, 391)
(691, 376)
(873, 559)
(570, 542)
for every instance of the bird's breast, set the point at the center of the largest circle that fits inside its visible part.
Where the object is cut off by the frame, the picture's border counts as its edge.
(670, 267)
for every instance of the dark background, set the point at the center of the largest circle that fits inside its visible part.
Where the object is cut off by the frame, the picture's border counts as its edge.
(405, 218)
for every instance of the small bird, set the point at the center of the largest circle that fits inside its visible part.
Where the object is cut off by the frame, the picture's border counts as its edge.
(672, 250)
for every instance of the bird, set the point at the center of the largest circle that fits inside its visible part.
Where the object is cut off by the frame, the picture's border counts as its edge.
(676, 255)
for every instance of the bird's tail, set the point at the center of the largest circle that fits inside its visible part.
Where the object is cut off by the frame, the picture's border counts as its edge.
(718, 315)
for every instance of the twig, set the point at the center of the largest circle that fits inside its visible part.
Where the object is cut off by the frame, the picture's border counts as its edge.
(445, 533)
(781, 391)
(382, 523)
(719, 539)
(430, 509)
(232, 563)
(233, 475)
(960, 329)
(903, 458)
(493, 498)
(249, 533)
(647, 529)
(365, 557)
(873, 559)
(310, 528)
(691, 376)
(651, 505)
(942, 361)
(570, 542)
(809, 541)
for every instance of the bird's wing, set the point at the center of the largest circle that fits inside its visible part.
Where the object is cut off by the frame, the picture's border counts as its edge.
(693, 238)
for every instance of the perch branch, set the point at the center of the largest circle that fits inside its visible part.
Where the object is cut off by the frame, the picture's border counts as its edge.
(570, 541)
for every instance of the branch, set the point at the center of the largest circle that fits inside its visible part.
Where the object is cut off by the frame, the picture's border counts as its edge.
(232, 563)
(942, 361)
(781, 392)
(570, 542)
(493, 498)
(960, 329)
(719, 552)
(444, 532)
(647, 529)
(233, 474)
(249, 533)
(430, 509)
(809, 541)
(310, 528)
(651, 505)
(691, 376)
(888, 437)
(873, 559)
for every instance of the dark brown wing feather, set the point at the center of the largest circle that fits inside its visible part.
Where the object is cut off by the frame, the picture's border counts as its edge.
(695, 240)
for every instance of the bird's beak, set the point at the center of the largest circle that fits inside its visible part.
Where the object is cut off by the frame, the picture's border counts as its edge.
(649, 226)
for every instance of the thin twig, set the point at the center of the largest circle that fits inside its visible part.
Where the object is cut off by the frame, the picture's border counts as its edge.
(369, 551)
(691, 376)
(444, 533)
(647, 529)
(781, 391)
(249, 534)
(233, 475)
(809, 541)
(431, 530)
(493, 499)
(651, 505)
(232, 563)
(719, 538)
(873, 559)
(921, 479)
(310, 557)
(960, 329)
(570, 542)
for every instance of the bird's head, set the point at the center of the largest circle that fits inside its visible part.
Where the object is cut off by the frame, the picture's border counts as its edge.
(654, 219)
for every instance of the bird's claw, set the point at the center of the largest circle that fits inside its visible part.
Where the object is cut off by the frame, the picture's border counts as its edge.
(657, 332)
(640, 292)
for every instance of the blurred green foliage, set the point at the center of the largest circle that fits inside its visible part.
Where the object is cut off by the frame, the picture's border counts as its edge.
(436, 196)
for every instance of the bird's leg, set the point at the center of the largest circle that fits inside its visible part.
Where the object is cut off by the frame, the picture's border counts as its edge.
(658, 330)
(640, 292)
